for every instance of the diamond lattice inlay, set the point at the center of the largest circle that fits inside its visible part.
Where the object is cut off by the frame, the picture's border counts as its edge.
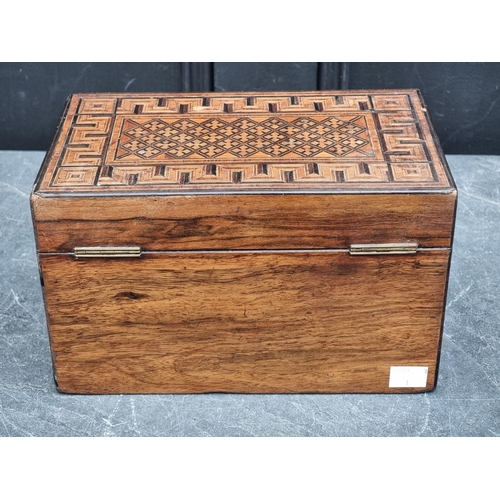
(246, 138)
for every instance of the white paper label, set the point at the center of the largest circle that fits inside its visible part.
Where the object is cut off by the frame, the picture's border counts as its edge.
(408, 376)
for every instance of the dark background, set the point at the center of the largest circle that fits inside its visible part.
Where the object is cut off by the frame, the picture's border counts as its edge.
(462, 97)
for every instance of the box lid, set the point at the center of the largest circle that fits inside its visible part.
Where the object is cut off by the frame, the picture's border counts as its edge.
(244, 170)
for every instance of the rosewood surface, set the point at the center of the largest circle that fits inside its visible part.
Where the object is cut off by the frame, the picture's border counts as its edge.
(244, 207)
(243, 322)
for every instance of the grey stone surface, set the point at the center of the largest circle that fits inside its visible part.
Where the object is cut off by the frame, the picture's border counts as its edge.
(465, 403)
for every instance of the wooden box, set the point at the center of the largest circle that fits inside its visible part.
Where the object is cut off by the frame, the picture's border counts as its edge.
(288, 242)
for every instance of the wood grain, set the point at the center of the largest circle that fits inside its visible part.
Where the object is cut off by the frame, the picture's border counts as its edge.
(244, 206)
(235, 222)
(252, 322)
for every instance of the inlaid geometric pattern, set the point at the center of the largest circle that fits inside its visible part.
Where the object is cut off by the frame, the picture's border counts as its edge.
(272, 137)
(188, 142)
(261, 174)
(248, 104)
(86, 141)
(75, 176)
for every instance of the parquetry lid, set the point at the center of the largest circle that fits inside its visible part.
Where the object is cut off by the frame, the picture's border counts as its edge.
(239, 171)
(295, 141)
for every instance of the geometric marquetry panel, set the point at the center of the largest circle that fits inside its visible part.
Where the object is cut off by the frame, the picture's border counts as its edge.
(263, 138)
(376, 140)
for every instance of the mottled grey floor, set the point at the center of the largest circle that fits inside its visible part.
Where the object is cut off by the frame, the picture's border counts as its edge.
(465, 403)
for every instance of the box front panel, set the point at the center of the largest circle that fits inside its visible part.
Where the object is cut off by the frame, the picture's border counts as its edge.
(257, 322)
(244, 222)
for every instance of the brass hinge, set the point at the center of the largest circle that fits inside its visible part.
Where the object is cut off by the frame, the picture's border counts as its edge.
(383, 248)
(80, 252)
